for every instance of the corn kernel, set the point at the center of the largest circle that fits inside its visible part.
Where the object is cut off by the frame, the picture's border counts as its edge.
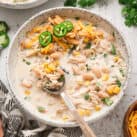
(27, 92)
(110, 90)
(44, 65)
(116, 59)
(87, 83)
(76, 53)
(47, 70)
(47, 49)
(84, 112)
(81, 112)
(116, 90)
(56, 63)
(113, 89)
(80, 83)
(71, 91)
(80, 24)
(89, 28)
(37, 29)
(51, 67)
(87, 112)
(97, 108)
(86, 40)
(62, 102)
(65, 117)
(29, 45)
(105, 77)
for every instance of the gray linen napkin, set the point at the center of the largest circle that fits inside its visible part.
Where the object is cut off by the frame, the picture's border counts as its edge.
(16, 124)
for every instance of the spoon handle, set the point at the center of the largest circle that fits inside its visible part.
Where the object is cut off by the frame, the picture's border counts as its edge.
(87, 131)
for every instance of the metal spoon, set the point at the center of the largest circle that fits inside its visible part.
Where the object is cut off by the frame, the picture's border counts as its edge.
(50, 88)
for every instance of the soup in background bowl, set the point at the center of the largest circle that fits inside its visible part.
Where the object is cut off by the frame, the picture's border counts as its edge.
(71, 44)
(21, 4)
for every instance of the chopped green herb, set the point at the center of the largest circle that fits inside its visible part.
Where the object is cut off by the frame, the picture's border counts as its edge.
(77, 18)
(61, 79)
(27, 98)
(27, 62)
(88, 45)
(122, 72)
(88, 68)
(97, 88)
(86, 24)
(112, 66)
(86, 96)
(64, 70)
(113, 34)
(93, 58)
(85, 3)
(105, 55)
(98, 84)
(118, 83)
(107, 101)
(113, 49)
(71, 49)
(72, 3)
(41, 109)
(47, 58)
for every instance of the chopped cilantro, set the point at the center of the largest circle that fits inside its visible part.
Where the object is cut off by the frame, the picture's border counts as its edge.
(113, 34)
(113, 49)
(27, 98)
(61, 79)
(105, 55)
(122, 72)
(88, 45)
(88, 68)
(93, 58)
(118, 83)
(86, 96)
(41, 109)
(107, 101)
(27, 62)
(98, 84)
(46, 57)
(71, 49)
(77, 18)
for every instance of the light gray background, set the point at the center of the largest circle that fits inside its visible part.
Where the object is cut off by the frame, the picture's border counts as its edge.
(111, 125)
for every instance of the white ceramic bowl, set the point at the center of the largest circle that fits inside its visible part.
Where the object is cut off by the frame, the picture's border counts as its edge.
(38, 19)
(22, 5)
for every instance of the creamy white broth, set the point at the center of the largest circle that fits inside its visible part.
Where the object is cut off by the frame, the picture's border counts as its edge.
(84, 85)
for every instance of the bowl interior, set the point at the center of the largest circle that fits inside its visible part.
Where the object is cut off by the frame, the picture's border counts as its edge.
(40, 18)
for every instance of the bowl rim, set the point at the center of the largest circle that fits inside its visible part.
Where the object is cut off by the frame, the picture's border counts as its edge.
(58, 123)
(22, 5)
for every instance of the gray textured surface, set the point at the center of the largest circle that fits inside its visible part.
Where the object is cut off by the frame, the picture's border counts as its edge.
(111, 125)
